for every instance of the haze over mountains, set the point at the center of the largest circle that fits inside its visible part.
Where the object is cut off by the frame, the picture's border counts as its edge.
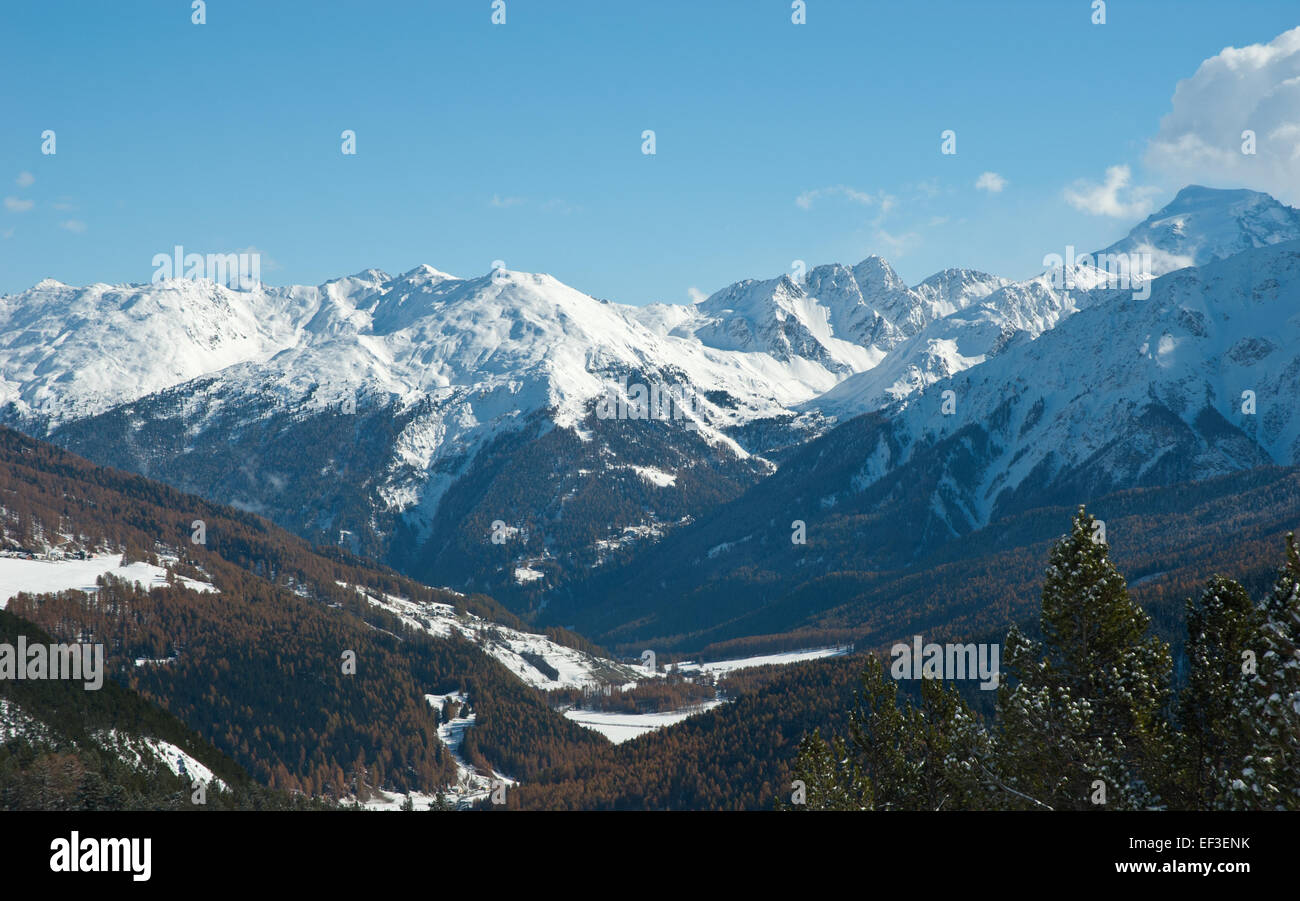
(413, 417)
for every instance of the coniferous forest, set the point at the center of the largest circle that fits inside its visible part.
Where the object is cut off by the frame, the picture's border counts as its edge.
(1087, 715)
(1140, 716)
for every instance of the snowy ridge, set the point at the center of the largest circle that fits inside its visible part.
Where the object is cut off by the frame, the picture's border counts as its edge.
(461, 362)
(67, 353)
(576, 669)
(18, 575)
(1197, 380)
(1008, 313)
(1201, 225)
(145, 753)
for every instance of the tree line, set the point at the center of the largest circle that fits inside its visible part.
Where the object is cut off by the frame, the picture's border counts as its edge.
(1087, 716)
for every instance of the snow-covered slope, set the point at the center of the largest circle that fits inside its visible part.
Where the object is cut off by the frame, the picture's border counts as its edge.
(1204, 224)
(45, 576)
(146, 753)
(1198, 380)
(975, 316)
(67, 353)
(375, 406)
(779, 318)
(1007, 314)
(519, 652)
(845, 319)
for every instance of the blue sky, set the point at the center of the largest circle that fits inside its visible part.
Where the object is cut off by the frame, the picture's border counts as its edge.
(522, 142)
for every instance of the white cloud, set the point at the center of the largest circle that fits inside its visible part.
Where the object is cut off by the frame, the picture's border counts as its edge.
(806, 199)
(1161, 261)
(25, 180)
(1113, 197)
(503, 202)
(991, 182)
(1254, 88)
(73, 225)
(7, 234)
(695, 294)
(14, 205)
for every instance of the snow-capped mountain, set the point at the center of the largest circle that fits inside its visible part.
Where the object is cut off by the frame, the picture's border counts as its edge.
(1194, 382)
(846, 319)
(67, 353)
(413, 417)
(1010, 313)
(360, 431)
(1204, 224)
(1198, 226)
(1197, 380)
(776, 316)
(433, 371)
(955, 289)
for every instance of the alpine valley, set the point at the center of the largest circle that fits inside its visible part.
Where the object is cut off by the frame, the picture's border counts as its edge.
(426, 468)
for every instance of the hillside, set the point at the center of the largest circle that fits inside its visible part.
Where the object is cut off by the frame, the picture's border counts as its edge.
(255, 666)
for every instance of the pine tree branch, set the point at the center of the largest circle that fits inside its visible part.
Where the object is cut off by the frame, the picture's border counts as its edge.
(999, 783)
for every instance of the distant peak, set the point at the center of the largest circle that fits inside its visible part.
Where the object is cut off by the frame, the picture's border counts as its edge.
(1190, 191)
(874, 261)
(875, 273)
(1199, 197)
(1202, 224)
(425, 272)
(954, 273)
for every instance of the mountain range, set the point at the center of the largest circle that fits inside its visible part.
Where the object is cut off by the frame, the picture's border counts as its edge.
(453, 428)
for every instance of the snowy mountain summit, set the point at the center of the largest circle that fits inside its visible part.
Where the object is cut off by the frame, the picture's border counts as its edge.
(1204, 224)
(375, 406)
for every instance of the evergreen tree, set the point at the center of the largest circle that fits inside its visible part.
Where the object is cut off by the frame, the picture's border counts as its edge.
(926, 756)
(440, 802)
(831, 780)
(1084, 719)
(954, 748)
(1270, 775)
(1218, 730)
(1041, 730)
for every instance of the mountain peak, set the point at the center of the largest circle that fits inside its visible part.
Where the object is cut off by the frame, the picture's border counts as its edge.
(424, 273)
(1204, 224)
(875, 271)
(955, 289)
(1195, 194)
